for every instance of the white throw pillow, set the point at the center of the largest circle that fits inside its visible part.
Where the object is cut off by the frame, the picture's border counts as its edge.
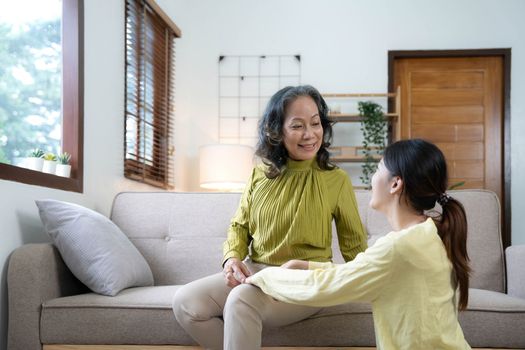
(97, 252)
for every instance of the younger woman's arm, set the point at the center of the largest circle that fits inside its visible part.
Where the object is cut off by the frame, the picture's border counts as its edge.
(362, 279)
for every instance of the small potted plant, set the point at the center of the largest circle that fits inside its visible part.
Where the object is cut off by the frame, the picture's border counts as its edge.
(63, 167)
(50, 163)
(35, 160)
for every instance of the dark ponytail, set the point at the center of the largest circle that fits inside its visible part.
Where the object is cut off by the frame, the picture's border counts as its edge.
(452, 228)
(423, 169)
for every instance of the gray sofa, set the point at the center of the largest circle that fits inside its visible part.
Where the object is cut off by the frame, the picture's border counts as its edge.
(180, 235)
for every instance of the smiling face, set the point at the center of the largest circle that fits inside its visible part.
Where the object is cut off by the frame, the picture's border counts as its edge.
(302, 129)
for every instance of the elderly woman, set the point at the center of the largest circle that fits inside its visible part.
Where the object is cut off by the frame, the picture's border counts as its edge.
(285, 213)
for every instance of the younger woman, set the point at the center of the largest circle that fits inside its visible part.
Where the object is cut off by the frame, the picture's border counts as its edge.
(410, 275)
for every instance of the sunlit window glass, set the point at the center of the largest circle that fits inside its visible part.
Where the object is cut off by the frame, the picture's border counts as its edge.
(30, 78)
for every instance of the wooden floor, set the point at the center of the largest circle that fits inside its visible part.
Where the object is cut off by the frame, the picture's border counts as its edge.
(176, 347)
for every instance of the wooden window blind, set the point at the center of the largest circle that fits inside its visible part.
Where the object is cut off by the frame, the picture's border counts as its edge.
(150, 52)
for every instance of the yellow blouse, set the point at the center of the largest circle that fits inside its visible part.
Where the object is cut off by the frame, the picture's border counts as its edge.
(407, 277)
(290, 217)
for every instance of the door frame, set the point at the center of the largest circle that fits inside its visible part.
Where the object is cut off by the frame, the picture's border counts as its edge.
(506, 55)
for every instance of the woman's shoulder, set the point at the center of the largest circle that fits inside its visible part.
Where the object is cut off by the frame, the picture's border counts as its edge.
(424, 230)
(335, 175)
(259, 171)
(419, 244)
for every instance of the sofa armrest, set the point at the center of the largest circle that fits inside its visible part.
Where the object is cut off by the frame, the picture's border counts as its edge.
(515, 272)
(36, 273)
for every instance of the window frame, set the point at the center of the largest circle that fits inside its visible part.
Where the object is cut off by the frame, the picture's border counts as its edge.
(72, 107)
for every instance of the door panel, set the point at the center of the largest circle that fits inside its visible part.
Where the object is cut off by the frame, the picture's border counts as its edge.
(469, 170)
(461, 150)
(447, 80)
(448, 133)
(446, 97)
(456, 114)
(456, 102)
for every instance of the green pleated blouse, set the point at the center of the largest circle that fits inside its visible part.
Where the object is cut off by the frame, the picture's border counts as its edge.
(290, 217)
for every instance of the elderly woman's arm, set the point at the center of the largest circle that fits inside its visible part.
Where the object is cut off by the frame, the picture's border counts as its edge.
(235, 248)
(350, 231)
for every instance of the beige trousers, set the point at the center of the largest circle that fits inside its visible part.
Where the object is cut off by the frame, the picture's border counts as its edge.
(219, 317)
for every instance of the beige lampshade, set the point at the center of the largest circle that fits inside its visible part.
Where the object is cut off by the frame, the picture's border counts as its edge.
(225, 167)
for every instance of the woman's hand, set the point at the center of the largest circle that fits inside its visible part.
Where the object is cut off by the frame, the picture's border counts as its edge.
(290, 264)
(296, 264)
(235, 272)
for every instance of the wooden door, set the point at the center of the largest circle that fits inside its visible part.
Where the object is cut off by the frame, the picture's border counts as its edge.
(457, 103)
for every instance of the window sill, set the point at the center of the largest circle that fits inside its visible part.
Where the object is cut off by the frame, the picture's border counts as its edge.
(32, 177)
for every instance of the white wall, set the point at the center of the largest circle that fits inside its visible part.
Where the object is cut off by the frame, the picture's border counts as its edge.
(343, 45)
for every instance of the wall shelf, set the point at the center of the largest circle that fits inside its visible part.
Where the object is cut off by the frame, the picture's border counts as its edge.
(356, 95)
(340, 117)
(349, 153)
(393, 119)
(393, 114)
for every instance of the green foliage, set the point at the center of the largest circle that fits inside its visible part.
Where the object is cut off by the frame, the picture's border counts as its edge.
(456, 185)
(374, 128)
(50, 156)
(30, 88)
(64, 158)
(36, 153)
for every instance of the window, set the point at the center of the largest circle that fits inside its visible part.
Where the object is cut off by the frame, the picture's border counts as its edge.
(59, 109)
(150, 50)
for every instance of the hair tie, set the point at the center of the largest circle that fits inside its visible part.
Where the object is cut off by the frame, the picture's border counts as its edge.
(443, 199)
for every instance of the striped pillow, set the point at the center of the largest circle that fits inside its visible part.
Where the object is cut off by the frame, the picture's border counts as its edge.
(96, 251)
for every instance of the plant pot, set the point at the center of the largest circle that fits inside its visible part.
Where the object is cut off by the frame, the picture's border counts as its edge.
(49, 166)
(20, 162)
(63, 170)
(34, 163)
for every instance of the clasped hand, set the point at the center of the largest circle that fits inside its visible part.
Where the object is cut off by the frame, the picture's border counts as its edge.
(235, 272)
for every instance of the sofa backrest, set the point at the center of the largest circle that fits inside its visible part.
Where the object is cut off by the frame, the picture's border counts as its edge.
(484, 242)
(181, 234)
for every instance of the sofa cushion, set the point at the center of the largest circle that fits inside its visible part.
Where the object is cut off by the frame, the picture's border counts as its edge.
(489, 301)
(493, 319)
(94, 248)
(140, 315)
(143, 315)
(484, 238)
